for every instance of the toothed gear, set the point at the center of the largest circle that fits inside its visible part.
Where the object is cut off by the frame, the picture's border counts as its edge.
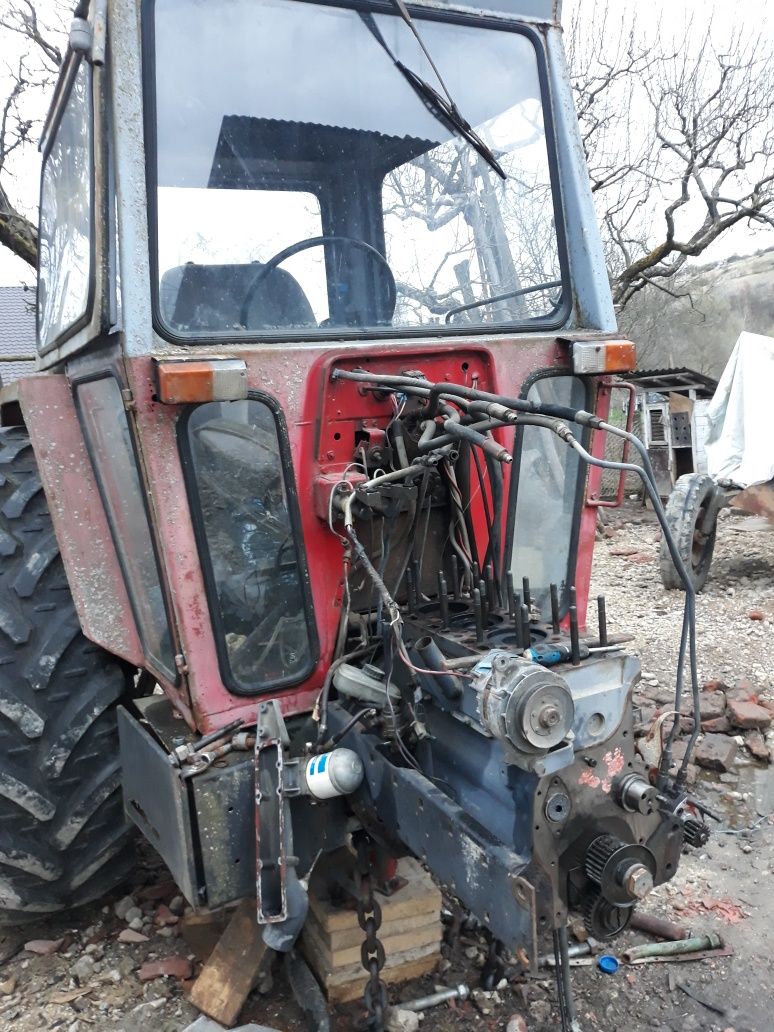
(600, 852)
(623, 872)
(695, 833)
(603, 920)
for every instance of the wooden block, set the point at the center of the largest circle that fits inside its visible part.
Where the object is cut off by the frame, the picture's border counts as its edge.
(203, 930)
(228, 976)
(418, 897)
(353, 935)
(425, 935)
(352, 988)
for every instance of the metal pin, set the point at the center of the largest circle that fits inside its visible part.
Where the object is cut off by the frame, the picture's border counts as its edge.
(455, 579)
(417, 582)
(479, 615)
(526, 634)
(443, 600)
(491, 588)
(476, 571)
(517, 620)
(526, 592)
(484, 602)
(410, 588)
(574, 639)
(602, 618)
(509, 593)
(555, 609)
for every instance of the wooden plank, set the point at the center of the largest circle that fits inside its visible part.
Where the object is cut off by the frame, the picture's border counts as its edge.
(420, 896)
(353, 935)
(228, 976)
(427, 937)
(349, 984)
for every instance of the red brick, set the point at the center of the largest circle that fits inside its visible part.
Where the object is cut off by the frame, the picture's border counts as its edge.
(757, 746)
(715, 752)
(748, 715)
(714, 686)
(175, 967)
(719, 726)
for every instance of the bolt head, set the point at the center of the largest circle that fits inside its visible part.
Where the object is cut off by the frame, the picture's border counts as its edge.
(638, 881)
(549, 716)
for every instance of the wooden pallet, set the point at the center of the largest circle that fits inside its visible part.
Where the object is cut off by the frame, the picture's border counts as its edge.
(411, 933)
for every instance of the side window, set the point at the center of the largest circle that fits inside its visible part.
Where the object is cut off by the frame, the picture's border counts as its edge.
(250, 543)
(546, 496)
(65, 262)
(108, 439)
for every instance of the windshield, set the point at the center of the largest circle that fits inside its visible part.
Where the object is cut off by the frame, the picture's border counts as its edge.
(304, 187)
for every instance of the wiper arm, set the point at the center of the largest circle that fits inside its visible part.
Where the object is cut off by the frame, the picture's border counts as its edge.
(442, 108)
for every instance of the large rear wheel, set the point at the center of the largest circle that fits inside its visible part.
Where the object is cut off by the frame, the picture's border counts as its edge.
(64, 840)
(692, 515)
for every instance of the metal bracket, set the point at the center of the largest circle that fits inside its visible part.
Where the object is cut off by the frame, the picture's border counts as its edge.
(271, 814)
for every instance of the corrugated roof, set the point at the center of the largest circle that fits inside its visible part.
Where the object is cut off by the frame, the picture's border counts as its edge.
(17, 332)
(675, 380)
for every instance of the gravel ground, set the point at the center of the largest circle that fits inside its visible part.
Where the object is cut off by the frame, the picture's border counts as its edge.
(92, 979)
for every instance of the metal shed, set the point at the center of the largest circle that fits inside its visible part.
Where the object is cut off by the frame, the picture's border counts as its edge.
(673, 404)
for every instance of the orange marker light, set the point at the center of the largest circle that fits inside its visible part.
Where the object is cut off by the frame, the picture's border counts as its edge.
(603, 356)
(187, 382)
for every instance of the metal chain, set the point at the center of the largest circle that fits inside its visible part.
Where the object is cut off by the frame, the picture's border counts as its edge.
(369, 916)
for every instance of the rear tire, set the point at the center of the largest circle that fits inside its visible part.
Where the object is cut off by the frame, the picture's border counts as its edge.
(692, 515)
(64, 840)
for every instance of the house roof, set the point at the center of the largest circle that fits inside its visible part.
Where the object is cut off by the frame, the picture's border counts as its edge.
(17, 332)
(676, 381)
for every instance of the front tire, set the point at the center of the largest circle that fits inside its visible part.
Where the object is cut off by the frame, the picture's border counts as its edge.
(64, 840)
(692, 515)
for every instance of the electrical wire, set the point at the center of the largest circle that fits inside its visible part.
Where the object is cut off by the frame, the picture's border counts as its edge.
(505, 411)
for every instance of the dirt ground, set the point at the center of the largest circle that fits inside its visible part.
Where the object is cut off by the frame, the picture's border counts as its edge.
(92, 978)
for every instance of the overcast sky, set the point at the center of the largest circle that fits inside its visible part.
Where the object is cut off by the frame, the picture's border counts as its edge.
(657, 17)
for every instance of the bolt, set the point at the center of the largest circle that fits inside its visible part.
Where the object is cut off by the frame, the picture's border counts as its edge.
(549, 716)
(638, 881)
(460, 992)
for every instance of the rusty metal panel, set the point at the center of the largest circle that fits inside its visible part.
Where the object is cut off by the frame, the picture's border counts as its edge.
(758, 499)
(80, 524)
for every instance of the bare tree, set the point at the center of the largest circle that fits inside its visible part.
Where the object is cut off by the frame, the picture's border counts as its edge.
(36, 43)
(679, 140)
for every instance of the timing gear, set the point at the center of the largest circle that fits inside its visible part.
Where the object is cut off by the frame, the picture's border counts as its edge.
(603, 920)
(624, 873)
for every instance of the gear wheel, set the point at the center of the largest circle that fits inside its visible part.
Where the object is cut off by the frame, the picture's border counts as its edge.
(603, 920)
(623, 872)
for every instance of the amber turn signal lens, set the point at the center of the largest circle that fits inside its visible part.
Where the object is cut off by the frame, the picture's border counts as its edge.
(603, 356)
(185, 383)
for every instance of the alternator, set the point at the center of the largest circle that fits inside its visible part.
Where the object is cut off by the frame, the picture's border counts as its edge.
(528, 708)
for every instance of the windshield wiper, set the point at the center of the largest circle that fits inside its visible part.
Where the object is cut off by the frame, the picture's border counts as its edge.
(442, 108)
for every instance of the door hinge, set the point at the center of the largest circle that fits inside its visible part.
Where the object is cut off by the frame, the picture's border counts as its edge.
(128, 398)
(181, 664)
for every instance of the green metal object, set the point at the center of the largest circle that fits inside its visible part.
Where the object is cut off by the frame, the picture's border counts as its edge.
(673, 949)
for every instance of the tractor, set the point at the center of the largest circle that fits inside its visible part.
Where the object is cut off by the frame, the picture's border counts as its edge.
(297, 512)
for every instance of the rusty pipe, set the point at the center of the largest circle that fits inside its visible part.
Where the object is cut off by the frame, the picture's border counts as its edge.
(659, 926)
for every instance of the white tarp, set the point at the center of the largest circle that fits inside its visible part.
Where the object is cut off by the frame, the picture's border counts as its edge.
(740, 443)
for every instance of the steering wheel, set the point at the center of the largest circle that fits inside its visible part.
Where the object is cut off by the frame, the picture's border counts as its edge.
(319, 241)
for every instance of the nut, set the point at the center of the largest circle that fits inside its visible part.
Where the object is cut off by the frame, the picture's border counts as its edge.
(638, 881)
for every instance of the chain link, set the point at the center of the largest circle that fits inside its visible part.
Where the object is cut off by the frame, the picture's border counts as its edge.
(369, 916)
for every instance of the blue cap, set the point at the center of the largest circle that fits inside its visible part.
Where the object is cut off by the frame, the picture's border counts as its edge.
(607, 964)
